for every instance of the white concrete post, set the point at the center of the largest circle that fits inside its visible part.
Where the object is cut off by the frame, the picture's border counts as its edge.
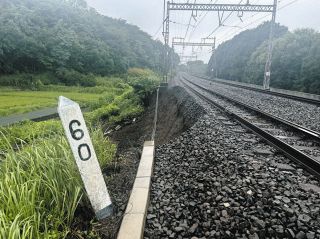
(85, 156)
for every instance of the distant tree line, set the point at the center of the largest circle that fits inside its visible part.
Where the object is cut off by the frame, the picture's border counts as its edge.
(197, 67)
(295, 61)
(67, 38)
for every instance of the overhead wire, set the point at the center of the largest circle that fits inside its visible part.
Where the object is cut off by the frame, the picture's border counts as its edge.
(258, 19)
(185, 35)
(199, 49)
(157, 32)
(202, 16)
(191, 34)
(221, 24)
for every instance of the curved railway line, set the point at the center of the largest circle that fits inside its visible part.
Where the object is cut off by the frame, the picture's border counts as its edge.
(299, 143)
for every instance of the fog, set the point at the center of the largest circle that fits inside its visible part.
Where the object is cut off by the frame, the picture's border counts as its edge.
(147, 14)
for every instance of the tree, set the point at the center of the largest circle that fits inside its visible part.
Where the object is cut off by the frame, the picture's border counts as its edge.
(38, 36)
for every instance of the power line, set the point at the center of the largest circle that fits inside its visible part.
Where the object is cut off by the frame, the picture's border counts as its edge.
(157, 32)
(199, 7)
(258, 19)
(221, 23)
(201, 20)
(185, 35)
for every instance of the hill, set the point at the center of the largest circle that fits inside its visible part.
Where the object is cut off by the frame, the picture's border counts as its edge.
(50, 35)
(295, 61)
(232, 56)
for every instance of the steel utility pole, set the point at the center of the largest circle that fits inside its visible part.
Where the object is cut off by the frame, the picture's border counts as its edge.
(240, 8)
(165, 33)
(267, 70)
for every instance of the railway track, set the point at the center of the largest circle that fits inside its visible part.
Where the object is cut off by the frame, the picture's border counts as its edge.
(299, 143)
(283, 95)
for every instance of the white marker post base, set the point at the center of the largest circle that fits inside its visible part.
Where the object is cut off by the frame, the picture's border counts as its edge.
(85, 156)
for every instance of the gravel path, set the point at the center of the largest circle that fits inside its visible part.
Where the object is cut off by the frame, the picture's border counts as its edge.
(301, 113)
(217, 181)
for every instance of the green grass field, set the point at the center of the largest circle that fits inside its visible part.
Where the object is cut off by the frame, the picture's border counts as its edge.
(15, 102)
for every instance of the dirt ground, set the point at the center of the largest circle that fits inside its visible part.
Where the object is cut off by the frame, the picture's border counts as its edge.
(173, 119)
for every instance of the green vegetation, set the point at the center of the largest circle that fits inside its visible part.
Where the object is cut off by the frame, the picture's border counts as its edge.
(65, 38)
(295, 61)
(144, 81)
(40, 187)
(13, 102)
(61, 47)
(136, 83)
(231, 57)
(17, 135)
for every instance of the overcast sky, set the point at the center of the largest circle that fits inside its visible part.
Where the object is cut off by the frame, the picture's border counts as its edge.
(147, 14)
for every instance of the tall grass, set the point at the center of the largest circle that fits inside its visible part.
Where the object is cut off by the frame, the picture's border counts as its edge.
(40, 188)
(20, 134)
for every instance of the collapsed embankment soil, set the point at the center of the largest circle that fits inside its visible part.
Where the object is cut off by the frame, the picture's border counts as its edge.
(174, 117)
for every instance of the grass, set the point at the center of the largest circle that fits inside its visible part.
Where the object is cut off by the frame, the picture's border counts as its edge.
(111, 106)
(17, 135)
(40, 186)
(14, 102)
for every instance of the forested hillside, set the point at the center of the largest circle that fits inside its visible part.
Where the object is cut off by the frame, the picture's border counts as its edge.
(66, 37)
(295, 62)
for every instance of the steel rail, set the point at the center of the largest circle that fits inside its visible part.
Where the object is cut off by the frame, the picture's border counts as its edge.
(310, 133)
(309, 163)
(283, 95)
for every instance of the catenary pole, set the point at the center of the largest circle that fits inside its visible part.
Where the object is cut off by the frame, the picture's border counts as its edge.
(267, 70)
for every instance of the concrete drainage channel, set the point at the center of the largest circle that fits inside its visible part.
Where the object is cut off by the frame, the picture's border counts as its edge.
(133, 221)
(169, 122)
(132, 226)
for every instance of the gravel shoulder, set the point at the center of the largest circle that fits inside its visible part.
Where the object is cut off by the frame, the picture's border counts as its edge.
(216, 180)
(173, 119)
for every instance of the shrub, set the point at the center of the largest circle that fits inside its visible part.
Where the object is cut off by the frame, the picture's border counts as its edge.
(18, 80)
(144, 81)
(72, 77)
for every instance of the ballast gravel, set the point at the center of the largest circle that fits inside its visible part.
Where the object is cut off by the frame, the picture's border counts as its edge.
(216, 180)
(298, 112)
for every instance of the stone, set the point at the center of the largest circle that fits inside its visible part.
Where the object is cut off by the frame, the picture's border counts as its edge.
(285, 200)
(263, 152)
(304, 218)
(284, 167)
(226, 204)
(311, 235)
(224, 213)
(291, 233)
(150, 216)
(261, 224)
(193, 228)
(218, 198)
(178, 229)
(301, 235)
(310, 187)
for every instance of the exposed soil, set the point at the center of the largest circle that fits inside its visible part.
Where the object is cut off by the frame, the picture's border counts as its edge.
(173, 119)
